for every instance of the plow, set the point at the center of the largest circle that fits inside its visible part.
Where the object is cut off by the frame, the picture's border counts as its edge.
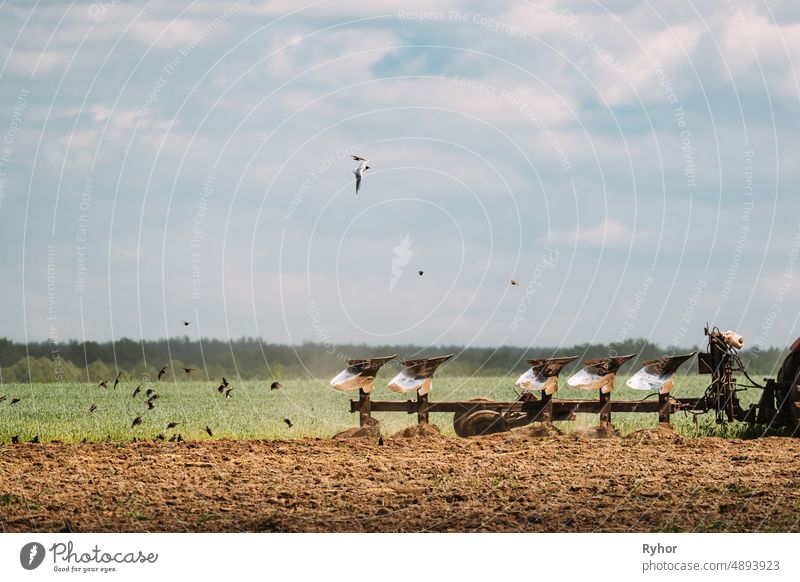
(537, 401)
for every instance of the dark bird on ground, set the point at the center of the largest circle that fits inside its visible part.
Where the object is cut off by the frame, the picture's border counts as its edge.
(149, 392)
(116, 381)
(228, 395)
(514, 282)
(208, 430)
(288, 422)
(136, 421)
(13, 401)
(276, 386)
(171, 425)
(138, 389)
(172, 438)
(180, 438)
(158, 437)
(93, 407)
(35, 439)
(224, 382)
(185, 322)
(150, 405)
(83, 441)
(380, 441)
(103, 384)
(188, 371)
(162, 371)
(15, 439)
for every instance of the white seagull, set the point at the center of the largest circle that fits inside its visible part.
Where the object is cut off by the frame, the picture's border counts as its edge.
(359, 171)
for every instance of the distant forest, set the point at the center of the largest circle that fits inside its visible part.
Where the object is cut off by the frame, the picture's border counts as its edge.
(253, 359)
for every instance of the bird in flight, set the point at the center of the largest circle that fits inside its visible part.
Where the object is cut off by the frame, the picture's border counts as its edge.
(103, 383)
(228, 393)
(150, 405)
(224, 382)
(188, 371)
(149, 392)
(152, 397)
(288, 422)
(136, 421)
(359, 171)
(162, 371)
(514, 282)
(3, 397)
(93, 407)
(116, 381)
(171, 425)
(208, 430)
(221, 388)
(138, 389)
(185, 323)
(13, 401)
(420, 273)
(276, 386)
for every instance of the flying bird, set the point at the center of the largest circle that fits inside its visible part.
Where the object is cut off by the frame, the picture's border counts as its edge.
(288, 422)
(93, 407)
(162, 371)
(150, 405)
(185, 323)
(13, 401)
(224, 382)
(221, 388)
(116, 381)
(171, 425)
(208, 430)
(514, 282)
(103, 383)
(420, 273)
(188, 371)
(153, 396)
(150, 392)
(228, 393)
(138, 389)
(136, 421)
(359, 171)
(3, 397)
(276, 386)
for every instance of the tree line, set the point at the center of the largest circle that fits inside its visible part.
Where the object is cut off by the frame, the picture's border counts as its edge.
(251, 358)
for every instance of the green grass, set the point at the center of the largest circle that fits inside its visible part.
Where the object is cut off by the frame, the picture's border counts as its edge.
(60, 411)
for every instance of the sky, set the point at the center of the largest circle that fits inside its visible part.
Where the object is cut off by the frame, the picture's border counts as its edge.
(633, 165)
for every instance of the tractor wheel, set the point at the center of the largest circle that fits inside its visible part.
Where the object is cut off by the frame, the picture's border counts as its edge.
(790, 373)
(479, 422)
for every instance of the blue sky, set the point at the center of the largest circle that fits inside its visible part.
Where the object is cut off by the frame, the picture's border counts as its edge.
(632, 165)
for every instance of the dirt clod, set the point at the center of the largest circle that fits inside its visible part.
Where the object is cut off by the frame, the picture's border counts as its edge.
(419, 430)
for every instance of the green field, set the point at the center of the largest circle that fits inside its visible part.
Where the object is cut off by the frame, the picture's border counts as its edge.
(60, 411)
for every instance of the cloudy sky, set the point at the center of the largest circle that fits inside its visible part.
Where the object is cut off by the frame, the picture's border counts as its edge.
(633, 165)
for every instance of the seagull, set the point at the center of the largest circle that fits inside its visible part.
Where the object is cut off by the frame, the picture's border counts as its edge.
(116, 381)
(185, 323)
(162, 371)
(359, 171)
(276, 386)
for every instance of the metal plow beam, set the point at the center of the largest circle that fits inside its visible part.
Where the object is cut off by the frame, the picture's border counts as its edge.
(656, 375)
(360, 374)
(417, 375)
(543, 374)
(599, 373)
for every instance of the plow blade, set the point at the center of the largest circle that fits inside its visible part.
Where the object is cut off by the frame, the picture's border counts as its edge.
(598, 374)
(656, 375)
(417, 375)
(543, 374)
(360, 374)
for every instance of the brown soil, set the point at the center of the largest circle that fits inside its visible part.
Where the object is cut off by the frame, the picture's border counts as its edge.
(536, 431)
(444, 484)
(419, 430)
(600, 431)
(372, 430)
(661, 433)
